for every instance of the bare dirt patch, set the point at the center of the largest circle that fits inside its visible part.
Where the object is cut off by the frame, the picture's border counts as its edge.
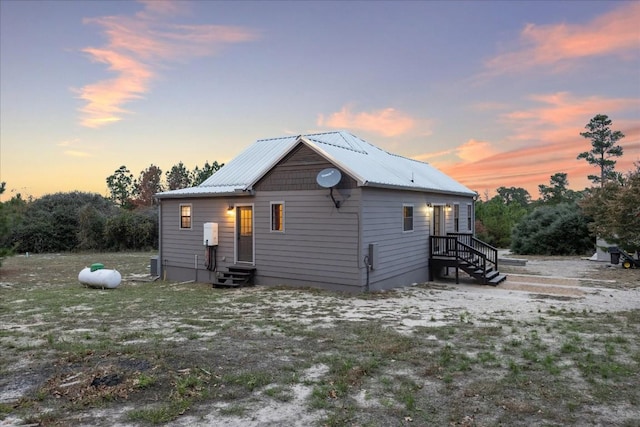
(554, 345)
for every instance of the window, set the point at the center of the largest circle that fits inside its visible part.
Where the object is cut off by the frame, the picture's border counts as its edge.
(469, 217)
(185, 216)
(407, 217)
(456, 218)
(277, 216)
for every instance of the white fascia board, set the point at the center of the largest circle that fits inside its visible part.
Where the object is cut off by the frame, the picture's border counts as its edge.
(203, 195)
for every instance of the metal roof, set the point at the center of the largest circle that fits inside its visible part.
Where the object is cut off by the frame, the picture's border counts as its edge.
(364, 162)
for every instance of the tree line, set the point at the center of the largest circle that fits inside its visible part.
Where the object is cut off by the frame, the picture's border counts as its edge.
(74, 221)
(560, 222)
(130, 193)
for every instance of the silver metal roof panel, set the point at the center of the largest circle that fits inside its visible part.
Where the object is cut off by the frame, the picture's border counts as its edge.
(366, 163)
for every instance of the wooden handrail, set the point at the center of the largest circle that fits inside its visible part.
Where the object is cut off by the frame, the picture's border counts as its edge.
(475, 253)
(451, 247)
(469, 239)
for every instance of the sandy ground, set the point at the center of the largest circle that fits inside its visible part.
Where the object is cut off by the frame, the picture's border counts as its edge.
(542, 284)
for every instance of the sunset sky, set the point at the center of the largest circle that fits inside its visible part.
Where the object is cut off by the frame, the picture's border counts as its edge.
(492, 93)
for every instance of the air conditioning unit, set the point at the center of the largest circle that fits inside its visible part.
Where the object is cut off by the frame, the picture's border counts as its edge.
(154, 266)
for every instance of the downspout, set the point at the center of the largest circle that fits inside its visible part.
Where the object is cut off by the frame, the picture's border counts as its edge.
(367, 263)
(359, 245)
(160, 265)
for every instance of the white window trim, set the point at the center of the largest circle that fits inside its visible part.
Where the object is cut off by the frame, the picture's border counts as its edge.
(180, 227)
(456, 209)
(235, 233)
(470, 216)
(271, 216)
(413, 217)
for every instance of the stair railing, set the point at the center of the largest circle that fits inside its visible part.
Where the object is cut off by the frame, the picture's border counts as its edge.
(471, 255)
(489, 251)
(451, 246)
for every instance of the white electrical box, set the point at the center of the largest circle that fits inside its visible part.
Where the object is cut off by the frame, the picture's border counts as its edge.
(210, 234)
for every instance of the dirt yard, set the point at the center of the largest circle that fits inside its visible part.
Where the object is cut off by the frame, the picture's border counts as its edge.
(556, 344)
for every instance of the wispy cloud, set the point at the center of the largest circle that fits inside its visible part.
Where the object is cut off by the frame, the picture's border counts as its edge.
(543, 140)
(556, 46)
(76, 153)
(68, 142)
(70, 151)
(388, 122)
(560, 115)
(136, 46)
(474, 150)
(427, 157)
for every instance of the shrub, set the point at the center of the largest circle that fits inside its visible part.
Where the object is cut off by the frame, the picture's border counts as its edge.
(54, 223)
(553, 230)
(132, 230)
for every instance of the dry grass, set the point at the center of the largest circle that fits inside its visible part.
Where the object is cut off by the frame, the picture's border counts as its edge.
(185, 354)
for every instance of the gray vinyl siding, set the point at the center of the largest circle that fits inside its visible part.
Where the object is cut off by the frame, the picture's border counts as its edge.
(179, 247)
(400, 253)
(298, 171)
(402, 256)
(319, 246)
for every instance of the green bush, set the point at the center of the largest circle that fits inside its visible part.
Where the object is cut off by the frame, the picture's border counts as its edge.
(553, 230)
(495, 220)
(132, 230)
(55, 223)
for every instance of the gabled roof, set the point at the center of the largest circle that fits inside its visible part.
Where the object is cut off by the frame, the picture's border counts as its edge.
(367, 164)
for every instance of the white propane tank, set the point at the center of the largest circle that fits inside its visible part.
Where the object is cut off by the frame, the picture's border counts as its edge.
(102, 278)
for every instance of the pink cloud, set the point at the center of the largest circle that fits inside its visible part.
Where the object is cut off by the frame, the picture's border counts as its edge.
(387, 122)
(426, 157)
(614, 33)
(560, 116)
(545, 139)
(136, 46)
(475, 150)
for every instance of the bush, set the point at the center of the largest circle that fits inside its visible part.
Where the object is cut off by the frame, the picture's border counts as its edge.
(132, 230)
(553, 230)
(54, 223)
(495, 220)
(91, 222)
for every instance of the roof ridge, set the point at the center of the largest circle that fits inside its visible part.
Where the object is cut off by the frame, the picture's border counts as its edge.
(350, 146)
(277, 138)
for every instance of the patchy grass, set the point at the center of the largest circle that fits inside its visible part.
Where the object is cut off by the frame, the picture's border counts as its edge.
(167, 353)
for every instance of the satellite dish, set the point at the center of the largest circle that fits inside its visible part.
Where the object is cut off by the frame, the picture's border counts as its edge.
(328, 178)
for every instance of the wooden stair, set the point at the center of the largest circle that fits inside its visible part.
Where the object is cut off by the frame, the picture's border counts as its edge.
(486, 276)
(464, 252)
(235, 277)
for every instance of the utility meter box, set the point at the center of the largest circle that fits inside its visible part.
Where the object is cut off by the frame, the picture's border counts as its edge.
(373, 255)
(210, 234)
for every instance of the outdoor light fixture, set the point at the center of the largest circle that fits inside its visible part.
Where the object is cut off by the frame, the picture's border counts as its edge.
(429, 205)
(230, 209)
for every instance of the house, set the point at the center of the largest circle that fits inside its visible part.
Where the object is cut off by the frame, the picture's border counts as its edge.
(326, 210)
